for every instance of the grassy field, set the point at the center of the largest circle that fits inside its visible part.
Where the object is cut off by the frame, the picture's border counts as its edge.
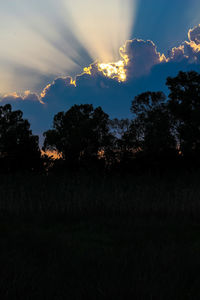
(99, 259)
(100, 237)
(84, 195)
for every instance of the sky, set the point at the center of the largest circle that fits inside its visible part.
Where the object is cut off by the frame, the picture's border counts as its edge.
(54, 54)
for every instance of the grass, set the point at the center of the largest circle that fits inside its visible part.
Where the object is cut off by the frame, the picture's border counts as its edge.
(84, 195)
(93, 237)
(99, 259)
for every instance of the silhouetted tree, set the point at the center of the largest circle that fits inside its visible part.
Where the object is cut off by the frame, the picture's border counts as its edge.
(119, 129)
(119, 126)
(145, 102)
(19, 149)
(79, 133)
(184, 105)
(152, 129)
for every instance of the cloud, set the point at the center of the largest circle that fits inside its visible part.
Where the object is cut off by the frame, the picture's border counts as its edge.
(26, 97)
(142, 56)
(32, 106)
(189, 50)
(145, 69)
(194, 35)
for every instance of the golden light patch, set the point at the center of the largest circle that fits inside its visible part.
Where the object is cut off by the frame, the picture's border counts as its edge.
(195, 47)
(52, 154)
(87, 70)
(114, 70)
(44, 92)
(163, 58)
(101, 154)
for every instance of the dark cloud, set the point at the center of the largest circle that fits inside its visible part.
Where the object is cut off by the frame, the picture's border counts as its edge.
(142, 55)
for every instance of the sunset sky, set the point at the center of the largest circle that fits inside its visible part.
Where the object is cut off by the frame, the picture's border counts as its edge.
(54, 54)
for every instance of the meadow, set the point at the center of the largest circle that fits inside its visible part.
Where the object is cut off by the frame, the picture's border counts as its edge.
(100, 236)
(84, 194)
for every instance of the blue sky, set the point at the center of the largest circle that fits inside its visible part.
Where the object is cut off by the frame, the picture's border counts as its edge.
(45, 42)
(166, 22)
(41, 40)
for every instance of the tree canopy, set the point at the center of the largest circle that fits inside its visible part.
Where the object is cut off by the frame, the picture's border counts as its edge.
(184, 105)
(152, 126)
(79, 133)
(19, 149)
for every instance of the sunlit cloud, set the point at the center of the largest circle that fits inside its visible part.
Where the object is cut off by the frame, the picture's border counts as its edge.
(114, 70)
(188, 50)
(25, 96)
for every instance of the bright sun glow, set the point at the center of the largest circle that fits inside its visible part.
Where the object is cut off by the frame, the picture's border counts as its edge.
(114, 70)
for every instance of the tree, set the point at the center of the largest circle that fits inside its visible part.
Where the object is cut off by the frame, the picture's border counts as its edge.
(80, 133)
(120, 146)
(158, 133)
(184, 105)
(19, 149)
(119, 128)
(146, 102)
(152, 127)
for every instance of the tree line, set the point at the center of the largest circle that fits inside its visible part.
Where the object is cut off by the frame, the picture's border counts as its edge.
(163, 131)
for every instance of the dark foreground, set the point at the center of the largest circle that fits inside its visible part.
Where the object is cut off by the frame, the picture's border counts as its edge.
(118, 258)
(98, 236)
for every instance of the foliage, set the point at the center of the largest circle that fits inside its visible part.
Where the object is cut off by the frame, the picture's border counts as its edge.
(152, 126)
(79, 133)
(19, 149)
(184, 105)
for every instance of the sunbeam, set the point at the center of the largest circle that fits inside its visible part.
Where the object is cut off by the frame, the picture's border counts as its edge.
(59, 38)
(103, 26)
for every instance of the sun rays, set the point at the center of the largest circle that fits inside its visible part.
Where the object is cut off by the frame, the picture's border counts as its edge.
(58, 38)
